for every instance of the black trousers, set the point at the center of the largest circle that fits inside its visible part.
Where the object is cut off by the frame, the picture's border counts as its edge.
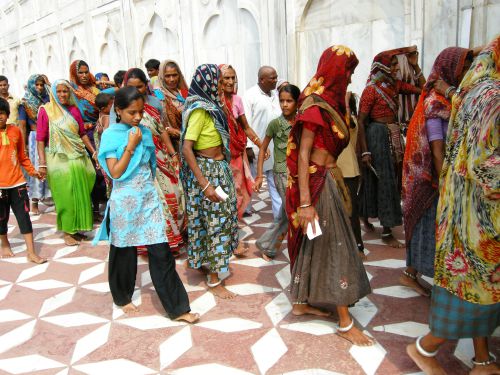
(352, 185)
(122, 271)
(17, 199)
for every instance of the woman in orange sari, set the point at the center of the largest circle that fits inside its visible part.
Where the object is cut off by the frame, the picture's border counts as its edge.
(327, 273)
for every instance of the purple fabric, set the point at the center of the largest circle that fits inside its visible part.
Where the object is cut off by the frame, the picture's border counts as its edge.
(436, 129)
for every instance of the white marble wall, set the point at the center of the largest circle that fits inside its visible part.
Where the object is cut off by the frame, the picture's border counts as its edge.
(46, 35)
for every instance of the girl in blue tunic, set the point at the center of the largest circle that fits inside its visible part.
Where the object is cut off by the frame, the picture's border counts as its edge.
(134, 215)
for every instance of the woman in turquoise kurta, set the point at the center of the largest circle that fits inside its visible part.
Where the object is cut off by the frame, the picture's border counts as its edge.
(134, 215)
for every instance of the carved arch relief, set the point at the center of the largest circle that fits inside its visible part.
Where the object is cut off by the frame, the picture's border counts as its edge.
(111, 54)
(231, 35)
(366, 30)
(76, 52)
(159, 42)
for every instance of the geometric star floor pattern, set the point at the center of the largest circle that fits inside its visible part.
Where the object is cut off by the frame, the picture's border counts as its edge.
(58, 318)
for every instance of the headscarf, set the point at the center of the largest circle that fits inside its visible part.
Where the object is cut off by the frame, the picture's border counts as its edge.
(236, 132)
(85, 95)
(172, 111)
(467, 241)
(99, 75)
(419, 179)
(322, 103)
(381, 79)
(181, 86)
(32, 99)
(63, 128)
(204, 94)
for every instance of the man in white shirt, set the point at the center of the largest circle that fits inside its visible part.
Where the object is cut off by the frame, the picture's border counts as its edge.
(262, 105)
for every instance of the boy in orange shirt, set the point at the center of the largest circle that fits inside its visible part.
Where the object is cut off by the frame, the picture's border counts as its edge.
(13, 190)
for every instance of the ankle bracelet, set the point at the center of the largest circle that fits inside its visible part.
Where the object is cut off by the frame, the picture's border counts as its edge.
(346, 329)
(410, 275)
(491, 359)
(424, 352)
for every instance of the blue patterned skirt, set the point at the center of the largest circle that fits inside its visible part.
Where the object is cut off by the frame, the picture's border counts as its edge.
(454, 318)
(212, 227)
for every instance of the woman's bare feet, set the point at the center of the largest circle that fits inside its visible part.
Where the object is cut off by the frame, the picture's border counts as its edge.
(80, 237)
(70, 240)
(429, 365)
(356, 337)
(221, 292)
(34, 258)
(267, 258)
(389, 239)
(188, 317)
(413, 284)
(130, 308)
(34, 208)
(305, 309)
(491, 369)
(368, 226)
(7, 252)
(241, 250)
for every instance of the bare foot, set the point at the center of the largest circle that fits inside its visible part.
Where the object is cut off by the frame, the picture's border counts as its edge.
(305, 309)
(241, 250)
(80, 237)
(368, 226)
(7, 252)
(130, 308)
(414, 284)
(392, 242)
(490, 369)
(267, 258)
(144, 257)
(70, 240)
(429, 365)
(34, 208)
(356, 337)
(34, 258)
(221, 292)
(188, 317)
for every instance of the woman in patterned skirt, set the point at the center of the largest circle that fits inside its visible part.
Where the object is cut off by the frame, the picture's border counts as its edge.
(207, 176)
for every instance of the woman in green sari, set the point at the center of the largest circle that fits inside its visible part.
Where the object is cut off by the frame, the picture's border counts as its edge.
(61, 143)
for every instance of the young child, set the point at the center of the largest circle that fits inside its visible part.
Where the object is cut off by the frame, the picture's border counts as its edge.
(134, 215)
(103, 102)
(277, 131)
(13, 189)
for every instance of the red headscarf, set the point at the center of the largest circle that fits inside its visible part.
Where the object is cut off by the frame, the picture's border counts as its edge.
(329, 84)
(420, 181)
(237, 135)
(85, 94)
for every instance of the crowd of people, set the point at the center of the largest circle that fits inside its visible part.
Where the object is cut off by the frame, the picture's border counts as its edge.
(168, 169)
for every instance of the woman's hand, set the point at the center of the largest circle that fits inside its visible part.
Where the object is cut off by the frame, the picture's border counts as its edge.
(441, 86)
(267, 155)
(41, 173)
(134, 138)
(258, 184)
(366, 159)
(211, 194)
(413, 59)
(307, 215)
(176, 133)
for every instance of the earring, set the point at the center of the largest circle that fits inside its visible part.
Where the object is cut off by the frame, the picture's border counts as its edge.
(118, 118)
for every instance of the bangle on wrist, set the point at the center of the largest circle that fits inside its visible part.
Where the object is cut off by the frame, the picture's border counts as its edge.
(206, 187)
(174, 154)
(366, 153)
(42, 166)
(305, 205)
(448, 91)
(131, 152)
